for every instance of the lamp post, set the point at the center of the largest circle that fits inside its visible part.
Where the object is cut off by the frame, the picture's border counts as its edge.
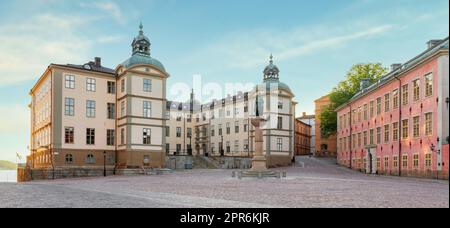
(221, 147)
(104, 163)
(190, 144)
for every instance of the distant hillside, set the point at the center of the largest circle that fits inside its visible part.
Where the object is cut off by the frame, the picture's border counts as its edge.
(6, 165)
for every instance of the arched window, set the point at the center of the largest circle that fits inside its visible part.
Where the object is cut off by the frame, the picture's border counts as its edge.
(69, 158)
(90, 159)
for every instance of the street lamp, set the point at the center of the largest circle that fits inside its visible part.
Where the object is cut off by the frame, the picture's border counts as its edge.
(190, 144)
(221, 147)
(104, 163)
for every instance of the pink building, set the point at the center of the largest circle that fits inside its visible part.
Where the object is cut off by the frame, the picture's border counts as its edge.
(400, 124)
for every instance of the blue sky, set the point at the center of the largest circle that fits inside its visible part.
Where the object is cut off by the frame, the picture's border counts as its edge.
(314, 43)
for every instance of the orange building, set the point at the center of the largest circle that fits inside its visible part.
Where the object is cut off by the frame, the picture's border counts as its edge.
(325, 146)
(302, 138)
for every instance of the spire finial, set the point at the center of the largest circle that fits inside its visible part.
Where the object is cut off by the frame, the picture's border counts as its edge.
(271, 58)
(141, 27)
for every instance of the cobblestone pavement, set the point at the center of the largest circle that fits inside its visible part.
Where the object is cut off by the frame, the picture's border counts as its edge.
(320, 183)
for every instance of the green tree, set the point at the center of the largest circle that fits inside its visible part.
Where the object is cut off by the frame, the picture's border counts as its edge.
(345, 90)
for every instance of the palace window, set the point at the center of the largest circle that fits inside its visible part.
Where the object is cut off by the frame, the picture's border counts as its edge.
(122, 109)
(90, 159)
(280, 123)
(429, 85)
(386, 133)
(405, 94)
(378, 135)
(428, 160)
(365, 138)
(395, 161)
(69, 135)
(167, 148)
(228, 147)
(405, 161)
(90, 109)
(387, 102)
(280, 144)
(213, 131)
(386, 163)
(122, 85)
(379, 106)
(359, 114)
(90, 85)
(236, 146)
(178, 132)
(110, 137)
(416, 90)
(147, 108)
(122, 136)
(167, 131)
(359, 139)
(405, 129)
(70, 81)
(111, 87)
(280, 104)
(111, 111)
(429, 124)
(416, 126)
(220, 129)
(416, 161)
(178, 148)
(395, 131)
(69, 107)
(395, 99)
(69, 158)
(371, 140)
(236, 127)
(147, 85)
(228, 129)
(146, 136)
(366, 116)
(90, 136)
(372, 108)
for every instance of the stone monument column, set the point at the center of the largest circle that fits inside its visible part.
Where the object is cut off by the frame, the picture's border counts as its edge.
(259, 161)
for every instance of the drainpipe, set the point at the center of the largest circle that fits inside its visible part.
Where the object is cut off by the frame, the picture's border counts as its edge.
(351, 136)
(399, 126)
(115, 127)
(51, 116)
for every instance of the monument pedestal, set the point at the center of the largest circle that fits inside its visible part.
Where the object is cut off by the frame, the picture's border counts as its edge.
(259, 161)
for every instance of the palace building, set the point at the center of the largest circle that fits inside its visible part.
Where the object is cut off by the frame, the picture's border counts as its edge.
(91, 118)
(222, 127)
(399, 124)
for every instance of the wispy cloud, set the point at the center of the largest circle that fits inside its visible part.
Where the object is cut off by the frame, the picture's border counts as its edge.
(247, 49)
(110, 39)
(28, 46)
(113, 9)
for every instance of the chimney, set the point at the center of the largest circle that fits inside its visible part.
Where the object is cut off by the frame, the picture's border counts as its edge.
(364, 84)
(98, 61)
(396, 66)
(304, 114)
(433, 43)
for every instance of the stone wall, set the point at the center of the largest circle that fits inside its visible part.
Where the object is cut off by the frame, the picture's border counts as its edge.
(178, 162)
(235, 162)
(25, 174)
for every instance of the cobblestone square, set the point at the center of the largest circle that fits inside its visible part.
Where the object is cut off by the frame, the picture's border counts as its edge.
(321, 183)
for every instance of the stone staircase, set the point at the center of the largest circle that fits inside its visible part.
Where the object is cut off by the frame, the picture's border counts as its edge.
(201, 162)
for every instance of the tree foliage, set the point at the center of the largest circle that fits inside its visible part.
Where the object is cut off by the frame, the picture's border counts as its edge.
(345, 90)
